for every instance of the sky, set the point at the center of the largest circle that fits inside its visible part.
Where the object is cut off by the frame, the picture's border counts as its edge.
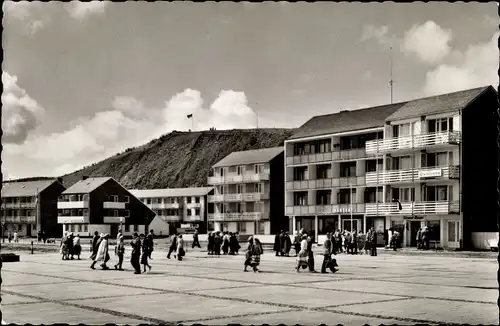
(83, 81)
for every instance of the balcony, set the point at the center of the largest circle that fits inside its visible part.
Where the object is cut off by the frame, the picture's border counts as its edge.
(171, 218)
(113, 205)
(348, 154)
(72, 219)
(417, 208)
(410, 142)
(193, 218)
(193, 205)
(114, 219)
(325, 183)
(255, 196)
(247, 216)
(19, 205)
(242, 178)
(409, 176)
(19, 219)
(164, 205)
(326, 209)
(72, 204)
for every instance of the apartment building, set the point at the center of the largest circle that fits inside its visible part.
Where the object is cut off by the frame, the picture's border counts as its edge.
(401, 166)
(181, 210)
(31, 206)
(103, 205)
(248, 192)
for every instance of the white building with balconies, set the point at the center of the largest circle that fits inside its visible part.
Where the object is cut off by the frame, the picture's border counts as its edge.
(180, 210)
(398, 166)
(248, 192)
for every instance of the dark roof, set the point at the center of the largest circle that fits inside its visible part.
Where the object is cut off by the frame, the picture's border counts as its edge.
(437, 104)
(344, 121)
(250, 157)
(171, 192)
(86, 186)
(25, 188)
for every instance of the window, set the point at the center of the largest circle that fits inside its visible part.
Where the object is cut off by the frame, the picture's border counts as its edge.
(222, 172)
(80, 212)
(221, 190)
(407, 194)
(188, 212)
(323, 197)
(437, 193)
(258, 168)
(197, 212)
(127, 199)
(188, 200)
(239, 189)
(344, 196)
(85, 228)
(149, 201)
(299, 173)
(136, 228)
(347, 169)
(127, 228)
(347, 225)
(239, 170)
(242, 227)
(261, 227)
(126, 213)
(300, 199)
(197, 200)
(115, 213)
(259, 187)
(323, 171)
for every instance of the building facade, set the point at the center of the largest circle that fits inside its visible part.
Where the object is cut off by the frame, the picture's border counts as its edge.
(248, 192)
(31, 206)
(181, 210)
(102, 205)
(399, 166)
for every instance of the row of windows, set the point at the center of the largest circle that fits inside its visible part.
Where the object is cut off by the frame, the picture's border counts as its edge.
(19, 200)
(169, 200)
(256, 168)
(176, 212)
(84, 228)
(240, 189)
(19, 212)
(241, 227)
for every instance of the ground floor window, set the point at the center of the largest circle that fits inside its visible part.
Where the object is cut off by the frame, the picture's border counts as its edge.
(241, 227)
(136, 228)
(261, 227)
(328, 224)
(435, 230)
(210, 226)
(349, 226)
(400, 227)
(306, 223)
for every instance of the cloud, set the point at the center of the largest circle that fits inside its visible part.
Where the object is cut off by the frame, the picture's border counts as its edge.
(379, 34)
(81, 10)
(129, 123)
(428, 42)
(20, 113)
(476, 66)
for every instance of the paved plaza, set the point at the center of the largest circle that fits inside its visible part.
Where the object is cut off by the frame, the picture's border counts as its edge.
(388, 289)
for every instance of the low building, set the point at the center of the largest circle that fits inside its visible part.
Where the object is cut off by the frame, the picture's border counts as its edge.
(102, 205)
(249, 195)
(31, 206)
(180, 210)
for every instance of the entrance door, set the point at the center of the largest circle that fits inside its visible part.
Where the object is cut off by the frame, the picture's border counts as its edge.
(356, 225)
(453, 234)
(414, 227)
(113, 229)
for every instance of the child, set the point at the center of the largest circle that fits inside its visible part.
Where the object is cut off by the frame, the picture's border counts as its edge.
(120, 251)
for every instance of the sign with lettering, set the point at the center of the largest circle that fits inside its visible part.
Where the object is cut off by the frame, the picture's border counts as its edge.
(341, 210)
(413, 218)
(430, 173)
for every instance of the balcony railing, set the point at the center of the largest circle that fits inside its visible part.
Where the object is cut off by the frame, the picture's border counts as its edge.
(171, 218)
(113, 205)
(251, 196)
(193, 205)
(164, 205)
(247, 216)
(416, 208)
(326, 209)
(114, 219)
(19, 205)
(403, 176)
(348, 154)
(193, 218)
(325, 183)
(72, 204)
(238, 178)
(410, 142)
(72, 219)
(18, 219)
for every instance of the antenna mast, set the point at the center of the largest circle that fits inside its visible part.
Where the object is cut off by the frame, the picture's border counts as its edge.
(391, 82)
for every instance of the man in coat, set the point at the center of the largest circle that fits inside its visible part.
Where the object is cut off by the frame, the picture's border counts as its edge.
(327, 253)
(196, 242)
(136, 253)
(95, 245)
(373, 242)
(150, 241)
(277, 243)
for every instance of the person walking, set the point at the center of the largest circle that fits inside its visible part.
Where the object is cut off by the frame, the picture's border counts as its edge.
(196, 242)
(64, 247)
(120, 252)
(354, 242)
(210, 245)
(151, 243)
(419, 238)
(225, 243)
(136, 253)
(277, 243)
(217, 243)
(77, 248)
(173, 246)
(252, 255)
(327, 253)
(373, 242)
(287, 244)
(145, 252)
(95, 244)
(180, 247)
(102, 253)
(302, 257)
(296, 243)
(310, 254)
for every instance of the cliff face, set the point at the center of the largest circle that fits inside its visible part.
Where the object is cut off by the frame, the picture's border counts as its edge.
(178, 159)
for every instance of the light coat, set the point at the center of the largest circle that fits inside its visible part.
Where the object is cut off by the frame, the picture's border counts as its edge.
(102, 252)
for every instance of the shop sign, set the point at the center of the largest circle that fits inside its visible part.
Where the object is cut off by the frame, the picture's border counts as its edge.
(430, 173)
(341, 210)
(413, 218)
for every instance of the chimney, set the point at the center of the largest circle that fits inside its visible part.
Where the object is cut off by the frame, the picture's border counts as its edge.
(85, 177)
(60, 180)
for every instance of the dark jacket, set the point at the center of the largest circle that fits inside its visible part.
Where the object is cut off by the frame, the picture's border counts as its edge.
(328, 247)
(136, 247)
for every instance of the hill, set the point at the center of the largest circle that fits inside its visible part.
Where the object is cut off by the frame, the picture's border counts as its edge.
(178, 159)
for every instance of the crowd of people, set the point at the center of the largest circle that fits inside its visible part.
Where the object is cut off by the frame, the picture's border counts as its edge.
(227, 242)
(70, 246)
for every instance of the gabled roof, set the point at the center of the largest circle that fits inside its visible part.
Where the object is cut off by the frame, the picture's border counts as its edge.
(86, 186)
(345, 121)
(250, 157)
(171, 192)
(25, 188)
(437, 104)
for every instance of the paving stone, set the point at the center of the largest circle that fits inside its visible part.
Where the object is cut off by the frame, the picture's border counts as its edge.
(418, 290)
(434, 310)
(51, 313)
(177, 307)
(302, 318)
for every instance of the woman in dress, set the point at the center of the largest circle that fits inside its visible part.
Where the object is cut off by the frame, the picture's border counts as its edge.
(302, 259)
(64, 247)
(102, 253)
(252, 255)
(180, 247)
(77, 248)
